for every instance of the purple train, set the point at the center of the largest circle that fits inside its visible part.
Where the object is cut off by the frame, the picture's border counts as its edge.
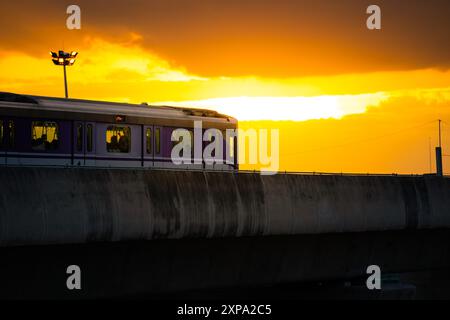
(70, 132)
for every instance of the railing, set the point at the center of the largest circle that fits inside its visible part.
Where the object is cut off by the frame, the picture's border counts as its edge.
(309, 173)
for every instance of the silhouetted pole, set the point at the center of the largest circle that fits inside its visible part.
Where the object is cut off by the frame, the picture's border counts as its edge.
(439, 170)
(430, 157)
(65, 82)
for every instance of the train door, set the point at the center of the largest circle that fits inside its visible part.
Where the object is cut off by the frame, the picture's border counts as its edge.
(90, 139)
(2, 141)
(158, 159)
(84, 144)
(148, 145)
(7, 140)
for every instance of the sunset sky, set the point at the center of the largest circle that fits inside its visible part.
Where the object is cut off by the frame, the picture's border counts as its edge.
(345, 98)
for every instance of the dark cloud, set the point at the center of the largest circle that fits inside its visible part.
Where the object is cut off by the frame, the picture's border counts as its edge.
(247, 37)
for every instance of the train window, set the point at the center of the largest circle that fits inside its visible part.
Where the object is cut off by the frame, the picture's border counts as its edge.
(44, 136)
(211, 139)
(176, 142)
(80, 137)
(89, 138)
(191, 143)
(149, 137)
(118, 139)
(231, 146)
(1, 133)
(158, 140)
(12, 134)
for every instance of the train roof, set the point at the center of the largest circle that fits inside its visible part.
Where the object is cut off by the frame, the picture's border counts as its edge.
(104, 107)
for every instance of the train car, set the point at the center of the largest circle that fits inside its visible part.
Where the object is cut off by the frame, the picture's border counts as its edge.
(49, 131)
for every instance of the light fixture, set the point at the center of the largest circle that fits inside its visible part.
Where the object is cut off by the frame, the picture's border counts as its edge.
(64, 59)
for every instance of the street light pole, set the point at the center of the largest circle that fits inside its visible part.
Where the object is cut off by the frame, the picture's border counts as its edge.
(65, 82)
(64, 59)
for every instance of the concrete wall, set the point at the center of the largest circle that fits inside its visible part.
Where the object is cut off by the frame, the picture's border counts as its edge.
(51, 205)
(151, 269)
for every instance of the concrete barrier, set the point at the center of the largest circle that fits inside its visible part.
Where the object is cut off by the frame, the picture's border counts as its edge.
(67, 205)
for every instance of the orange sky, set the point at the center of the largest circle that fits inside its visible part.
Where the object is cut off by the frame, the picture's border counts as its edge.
(344, 98)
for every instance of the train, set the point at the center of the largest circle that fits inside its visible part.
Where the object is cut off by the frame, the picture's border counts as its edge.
(51, 131)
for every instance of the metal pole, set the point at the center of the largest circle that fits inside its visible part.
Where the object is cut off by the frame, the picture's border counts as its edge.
(439, 170)
(429, 154)
(440, 145)
(65, 81)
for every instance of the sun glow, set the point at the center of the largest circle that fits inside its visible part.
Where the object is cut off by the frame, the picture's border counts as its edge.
(287, 108)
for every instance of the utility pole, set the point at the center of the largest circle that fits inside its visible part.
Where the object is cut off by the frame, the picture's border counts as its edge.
(439, 171)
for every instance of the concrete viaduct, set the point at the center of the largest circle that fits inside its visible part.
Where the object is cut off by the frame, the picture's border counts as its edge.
(155, 232)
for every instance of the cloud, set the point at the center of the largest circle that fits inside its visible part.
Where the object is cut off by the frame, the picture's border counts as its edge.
(106, 59)
(273, 38)
(287, 108)
(100, 62)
